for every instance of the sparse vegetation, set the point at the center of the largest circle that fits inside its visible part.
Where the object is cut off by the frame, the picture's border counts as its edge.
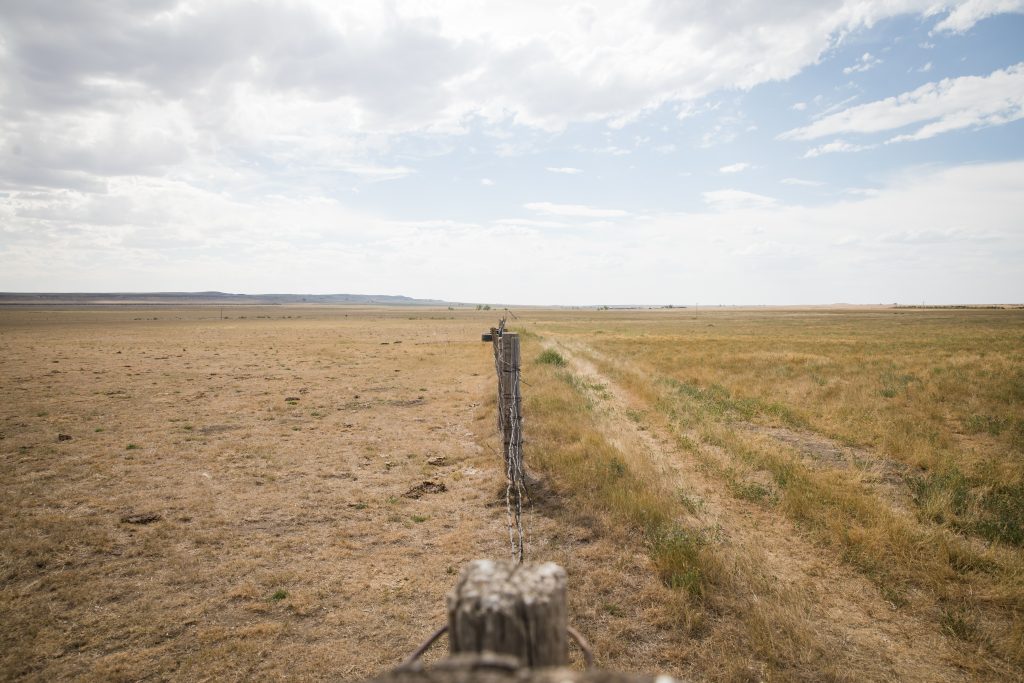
(802, 495)
(800, 414)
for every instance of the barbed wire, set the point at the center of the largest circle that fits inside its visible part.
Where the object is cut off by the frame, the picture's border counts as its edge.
(514, 480)
(514, 474)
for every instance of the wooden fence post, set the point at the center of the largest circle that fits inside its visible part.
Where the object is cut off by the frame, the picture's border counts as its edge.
(508, 609)
(507, 362)
(509, 396)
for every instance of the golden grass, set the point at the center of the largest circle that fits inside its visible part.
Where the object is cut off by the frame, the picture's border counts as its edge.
(747, 496)
(931, 398)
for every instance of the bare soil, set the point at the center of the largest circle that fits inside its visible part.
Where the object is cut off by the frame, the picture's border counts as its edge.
(232, 503)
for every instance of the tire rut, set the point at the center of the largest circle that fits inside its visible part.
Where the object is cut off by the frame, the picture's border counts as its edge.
(843, 610)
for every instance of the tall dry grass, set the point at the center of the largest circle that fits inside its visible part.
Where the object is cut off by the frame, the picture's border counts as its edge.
(738, 622)
(938, 396)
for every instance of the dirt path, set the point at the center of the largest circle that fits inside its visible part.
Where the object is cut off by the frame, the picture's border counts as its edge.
(843, 610)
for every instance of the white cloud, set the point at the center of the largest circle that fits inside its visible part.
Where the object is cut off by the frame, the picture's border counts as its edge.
(372, 172)
(946, 105)
(737, 199)
(735, 168)
(531, 223)
(568, 170)
(865, 63)
(947, 235)
(833, 147)
(486, 182)
(965, 15)
(926, 68)
(574, 210)
(801, 182)
(799, 106)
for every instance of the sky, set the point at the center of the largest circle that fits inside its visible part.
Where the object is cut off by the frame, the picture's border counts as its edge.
(576, 153)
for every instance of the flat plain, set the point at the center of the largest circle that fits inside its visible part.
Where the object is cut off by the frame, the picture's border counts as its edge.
(287, 492)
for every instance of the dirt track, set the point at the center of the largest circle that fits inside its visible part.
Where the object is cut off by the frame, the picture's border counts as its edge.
(846, 612)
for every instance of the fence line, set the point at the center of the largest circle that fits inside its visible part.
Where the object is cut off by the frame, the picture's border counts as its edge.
(507, 365)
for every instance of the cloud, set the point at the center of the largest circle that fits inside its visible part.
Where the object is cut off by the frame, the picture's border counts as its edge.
(737, 199)
(486, 182)
(799, 106)
(400, 67)
(735, 168)
(965, 15)
(943, 106)
(375, 173)
(574, 210)
(944, 234)
(866, 62)
(233, 90)
(568, 170)
(801, 182)
(835, 146)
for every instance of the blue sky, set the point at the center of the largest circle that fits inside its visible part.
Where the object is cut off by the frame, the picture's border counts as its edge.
(732, 152)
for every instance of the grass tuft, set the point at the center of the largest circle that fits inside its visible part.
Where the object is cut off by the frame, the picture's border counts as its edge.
(551, 357)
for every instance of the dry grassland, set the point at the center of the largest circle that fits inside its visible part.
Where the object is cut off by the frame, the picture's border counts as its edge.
(808, 495)
(273, 454)
(843, 491)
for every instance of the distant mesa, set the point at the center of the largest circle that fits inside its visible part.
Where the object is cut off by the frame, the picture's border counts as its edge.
(100, 298)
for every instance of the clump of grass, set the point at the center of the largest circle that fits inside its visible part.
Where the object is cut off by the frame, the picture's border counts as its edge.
(279, 594)
(419, 519)
(132, 447)
(1002, 516)
(959, 623)
(992, 425)
(551, 357)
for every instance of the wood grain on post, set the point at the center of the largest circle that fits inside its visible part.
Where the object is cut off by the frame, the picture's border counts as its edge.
(510, 398)
(503, 608)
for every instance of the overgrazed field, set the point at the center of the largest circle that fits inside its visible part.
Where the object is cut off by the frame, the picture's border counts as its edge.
(801, 495)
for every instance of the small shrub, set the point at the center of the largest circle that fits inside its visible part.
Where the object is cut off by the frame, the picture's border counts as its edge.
(279, 595)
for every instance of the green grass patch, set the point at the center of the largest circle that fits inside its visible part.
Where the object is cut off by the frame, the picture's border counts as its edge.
(551, 357)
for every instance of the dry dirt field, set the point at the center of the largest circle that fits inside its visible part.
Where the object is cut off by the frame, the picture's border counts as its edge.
(743, 495)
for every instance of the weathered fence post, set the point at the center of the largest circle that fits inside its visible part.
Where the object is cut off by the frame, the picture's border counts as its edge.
(517, 610)
(508, 623)
(510, 424)
(510, 399)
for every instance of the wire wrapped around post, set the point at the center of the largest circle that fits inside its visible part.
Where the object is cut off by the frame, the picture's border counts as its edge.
(510, 424)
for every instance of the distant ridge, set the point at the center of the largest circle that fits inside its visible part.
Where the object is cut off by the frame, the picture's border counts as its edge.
(96, 298)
